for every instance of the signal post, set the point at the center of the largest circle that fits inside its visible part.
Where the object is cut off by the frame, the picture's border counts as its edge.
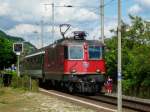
(18, 49)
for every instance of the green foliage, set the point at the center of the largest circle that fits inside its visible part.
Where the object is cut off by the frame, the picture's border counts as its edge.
(135, 57)
(9, 72)
(2, 92)
(1, 82)
(7, 56)
(12, 38)
(25, 83)
(111, 57)
(35, 85)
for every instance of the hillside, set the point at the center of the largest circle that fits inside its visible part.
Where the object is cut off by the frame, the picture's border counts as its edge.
(12, 38)
(28, 47)
(7, 56)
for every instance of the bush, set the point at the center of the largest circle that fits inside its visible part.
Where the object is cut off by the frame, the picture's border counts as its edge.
(1, 82)
(24, 82)
(35, 84)
(10, 78)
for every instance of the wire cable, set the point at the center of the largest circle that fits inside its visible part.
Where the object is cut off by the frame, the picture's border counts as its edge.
(108, 3)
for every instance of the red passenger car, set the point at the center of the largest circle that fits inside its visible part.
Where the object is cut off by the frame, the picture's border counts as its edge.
(74, 63)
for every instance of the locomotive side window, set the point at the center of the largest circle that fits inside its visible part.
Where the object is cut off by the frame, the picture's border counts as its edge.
(76, 52)
(95, 52)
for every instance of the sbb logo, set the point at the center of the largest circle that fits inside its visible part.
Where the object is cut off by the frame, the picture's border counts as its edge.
(85, 64)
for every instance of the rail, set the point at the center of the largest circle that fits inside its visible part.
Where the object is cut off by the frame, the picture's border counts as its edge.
(131, 102)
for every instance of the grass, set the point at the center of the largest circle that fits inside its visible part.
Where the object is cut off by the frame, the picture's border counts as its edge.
(19, 100)
(16, 100)
(11, 100)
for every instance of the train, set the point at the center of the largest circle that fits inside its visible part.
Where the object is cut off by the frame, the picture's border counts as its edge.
(73, 64)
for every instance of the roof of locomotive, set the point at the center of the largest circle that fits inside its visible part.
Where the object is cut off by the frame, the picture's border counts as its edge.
(72, 41)
(68, 41)
(65, 42)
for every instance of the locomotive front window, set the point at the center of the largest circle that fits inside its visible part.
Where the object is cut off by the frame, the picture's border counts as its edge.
(94, 52)
(76, 52)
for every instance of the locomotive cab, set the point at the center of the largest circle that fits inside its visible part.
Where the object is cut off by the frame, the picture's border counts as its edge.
(90, 56)
(84, 64)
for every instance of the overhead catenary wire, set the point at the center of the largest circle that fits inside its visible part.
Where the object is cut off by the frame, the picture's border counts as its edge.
(77, 6)
(108, 3)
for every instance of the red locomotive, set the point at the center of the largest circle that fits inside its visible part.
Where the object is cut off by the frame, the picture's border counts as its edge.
(74, 64)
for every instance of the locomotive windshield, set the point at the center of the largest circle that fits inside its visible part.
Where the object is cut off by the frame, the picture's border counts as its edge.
(95, 52)
(76, 52)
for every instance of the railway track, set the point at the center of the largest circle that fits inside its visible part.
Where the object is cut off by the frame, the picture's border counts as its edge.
(131, 103)
(101, 103)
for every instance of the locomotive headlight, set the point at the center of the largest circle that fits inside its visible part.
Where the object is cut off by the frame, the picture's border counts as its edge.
(93, 80)
(98, 70)
(73, 71)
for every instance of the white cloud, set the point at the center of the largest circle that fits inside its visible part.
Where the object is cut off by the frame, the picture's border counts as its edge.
(4, 8)
(84, 14)
(76, 2)
(135, 9)
(79, 11)
(27, 32)
(31, 11)
(23, 29)
(23, 10)
(76, 15)
(145, 3)
(96, 33)
(34, 10)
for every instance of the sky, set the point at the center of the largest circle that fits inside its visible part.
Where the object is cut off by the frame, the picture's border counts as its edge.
(22, 18)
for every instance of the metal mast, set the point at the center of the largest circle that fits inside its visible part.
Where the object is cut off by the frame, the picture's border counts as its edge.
(53, 22)
(102, 19)
(42, 30)
(119, 60)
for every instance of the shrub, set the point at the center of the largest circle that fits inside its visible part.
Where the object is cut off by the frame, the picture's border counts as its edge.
(24, 82)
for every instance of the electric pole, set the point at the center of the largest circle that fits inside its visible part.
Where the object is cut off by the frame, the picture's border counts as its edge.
(53, 16)
(102, 19)
(119, 60)
(18, 65)
(53, 22)
(42, 32)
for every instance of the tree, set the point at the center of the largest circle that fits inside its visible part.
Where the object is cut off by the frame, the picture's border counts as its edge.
(135, 55)
(7, 57)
